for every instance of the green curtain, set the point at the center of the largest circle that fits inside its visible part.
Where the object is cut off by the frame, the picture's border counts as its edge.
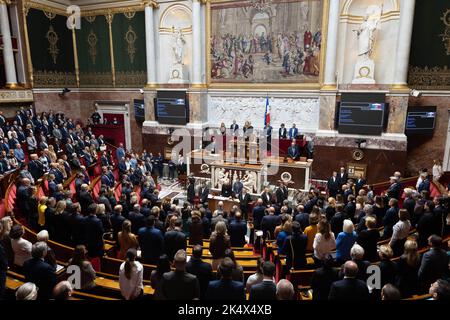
(51, 49)
(430, 52)
(129, 48)
(93, 49)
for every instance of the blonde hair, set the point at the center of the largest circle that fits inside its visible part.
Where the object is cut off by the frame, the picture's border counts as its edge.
(60, 206)
(221, 228)
(386, 252)
(411, 253)
(101, 208)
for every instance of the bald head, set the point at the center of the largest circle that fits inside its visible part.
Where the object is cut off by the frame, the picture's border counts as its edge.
(179, 260)
(350, 269)
(285, 290)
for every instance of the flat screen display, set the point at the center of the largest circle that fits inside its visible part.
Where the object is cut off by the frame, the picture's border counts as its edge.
(139, 109)
(366, 118)
(171, 107)
(420, 120)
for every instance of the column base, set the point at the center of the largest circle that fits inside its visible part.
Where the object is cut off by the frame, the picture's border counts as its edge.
(12, 85)
(151, 85)
(199, 85)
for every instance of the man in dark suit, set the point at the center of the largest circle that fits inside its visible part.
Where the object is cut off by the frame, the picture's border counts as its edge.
(226, 288)
(94, 231)
(359, 183)
(390, 218)
(293, 132)
(265, 290)
(234, 127)
(337, 221)
(302, 217)
(137, 219)
(394, 189)
(85, 198)
(237, 230)
(434, 263)
(266, 197)
(191, 190)
(269, 223)
(424, 185)
(258, 213)
(237, 187)
(342, 178)
(282, 132)
(349, 288)
(244, 200)
(151, 241)
(204, 193)
(178, 284)
(282, 193)
(175, 240)
(117, 220)
(226, 190)
(293, 151)
(294, 247)
(35, 167)
(333, 185)
(39, 272)
(202, 270)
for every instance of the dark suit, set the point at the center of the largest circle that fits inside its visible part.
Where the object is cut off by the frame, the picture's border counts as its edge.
(243, 203)
(321, 282)
(268, 225)
(281, 194)
(226, 190)
(349, 289)
(204, 195)
(342, 179)
(266, 198)
(237, 231)
(303, 219)
(258, 214)
(42, 275)
(85, 199)
(293, 152)
(359, 184)
(225, 289)
(178, 285)
(295, 244)
(337, 222)
(237, 187)
(394, 190)
(94, 231)
(173, 241)
(3, 270)
(137, 221)
(434, 266)
(265, 290)
(282, 133)
(424, 185)
(203, 272)
(151, 241)
(389, 219)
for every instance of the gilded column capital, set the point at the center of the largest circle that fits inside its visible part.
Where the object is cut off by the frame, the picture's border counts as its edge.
(7, 2)
(152, 3)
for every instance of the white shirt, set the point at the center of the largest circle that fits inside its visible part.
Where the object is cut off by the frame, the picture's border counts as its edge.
(131, 288)
(400, 231)
(437, 171)
(322, 246)
(22, 250)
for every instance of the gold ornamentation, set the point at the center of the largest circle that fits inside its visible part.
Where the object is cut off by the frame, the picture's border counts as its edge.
(109, 19)
(446, 35)
(92, 41)
(357, 154)
(16, 96)
(437, 78)
(130, 37)
(50, 15)
(52, 38)
(129, 14)
(45, 79)
(90, 19)
(95, 79)
(131, 78)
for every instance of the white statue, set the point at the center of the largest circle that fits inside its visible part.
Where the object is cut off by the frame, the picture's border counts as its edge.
(178, 46)
(365, 66)
(366, 31)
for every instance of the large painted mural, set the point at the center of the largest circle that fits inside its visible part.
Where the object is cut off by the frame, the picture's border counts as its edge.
(265, 41)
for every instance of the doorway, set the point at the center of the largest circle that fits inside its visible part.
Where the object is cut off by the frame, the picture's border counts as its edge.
(121, 111)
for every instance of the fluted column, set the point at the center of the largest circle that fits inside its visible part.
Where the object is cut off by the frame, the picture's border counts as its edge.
(404, 43)
(332, 41)
(196, 43)
(8, 54)
(150, 42)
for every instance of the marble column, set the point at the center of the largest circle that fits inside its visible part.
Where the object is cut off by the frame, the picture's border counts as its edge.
(404, 43)
(196, 43)
(332, 42)
(150, 43)
(398, 108)
(8, 54)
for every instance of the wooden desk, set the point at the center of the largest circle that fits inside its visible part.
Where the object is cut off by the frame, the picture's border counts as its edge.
(228, 203)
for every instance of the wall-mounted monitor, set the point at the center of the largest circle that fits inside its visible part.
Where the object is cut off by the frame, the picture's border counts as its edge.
(362, 118)
(172, 107)
(420, 120)
(139, 110)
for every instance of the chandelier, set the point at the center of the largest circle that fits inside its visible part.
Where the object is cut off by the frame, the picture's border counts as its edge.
(261, 5)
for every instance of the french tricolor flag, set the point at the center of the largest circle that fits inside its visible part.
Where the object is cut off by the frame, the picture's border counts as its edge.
(267, 114)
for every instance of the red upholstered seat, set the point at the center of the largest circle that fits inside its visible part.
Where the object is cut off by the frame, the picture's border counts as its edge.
(40, 192)
(118, 191)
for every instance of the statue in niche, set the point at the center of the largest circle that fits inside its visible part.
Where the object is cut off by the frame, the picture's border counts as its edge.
(178, 45)
(365, 66)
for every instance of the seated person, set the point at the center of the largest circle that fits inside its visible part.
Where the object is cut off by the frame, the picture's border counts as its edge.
(293, 151)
